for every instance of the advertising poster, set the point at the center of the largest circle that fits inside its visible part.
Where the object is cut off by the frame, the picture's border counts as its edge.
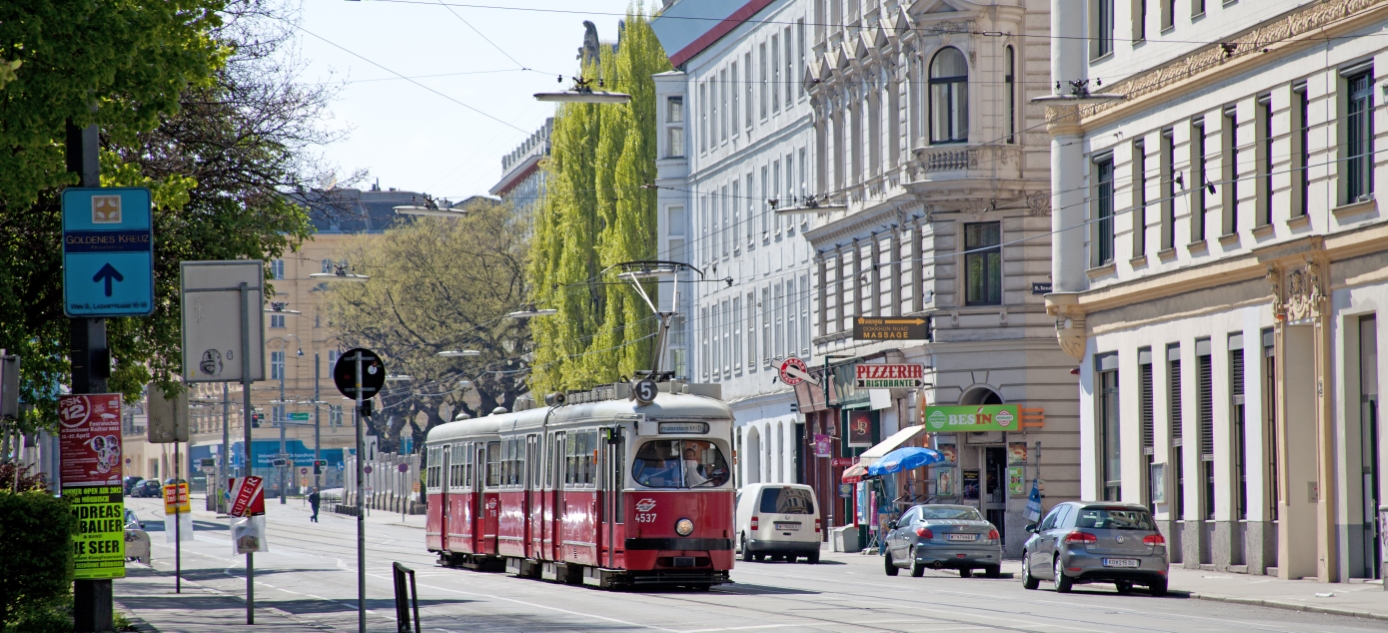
(99, 545)
(950, 453)
(823, 446)
(971, 418)
(969, 484)
(90, 440)
(177, 508)
(860, 428)
(1016, 480)
(945, 485)
(1016, 453)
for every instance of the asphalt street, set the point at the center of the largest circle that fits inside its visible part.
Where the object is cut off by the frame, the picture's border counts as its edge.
(309, 572)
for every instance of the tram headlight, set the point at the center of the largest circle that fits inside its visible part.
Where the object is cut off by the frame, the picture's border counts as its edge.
(684, 527)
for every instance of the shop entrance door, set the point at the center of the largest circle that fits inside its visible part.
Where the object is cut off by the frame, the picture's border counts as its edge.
(994, 493)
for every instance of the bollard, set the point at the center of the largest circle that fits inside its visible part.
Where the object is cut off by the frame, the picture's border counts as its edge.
(405, 597)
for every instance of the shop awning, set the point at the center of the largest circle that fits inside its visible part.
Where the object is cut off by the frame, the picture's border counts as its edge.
(890, 444)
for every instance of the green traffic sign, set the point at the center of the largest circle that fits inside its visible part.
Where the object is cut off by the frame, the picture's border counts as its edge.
(299, 415)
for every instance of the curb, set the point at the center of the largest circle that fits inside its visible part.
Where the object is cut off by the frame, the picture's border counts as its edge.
(1291, 606)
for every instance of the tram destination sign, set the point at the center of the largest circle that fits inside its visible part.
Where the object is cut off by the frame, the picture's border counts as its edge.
(880, 376)
(891, 329)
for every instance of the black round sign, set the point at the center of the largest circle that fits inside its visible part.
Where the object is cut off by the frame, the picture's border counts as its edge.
(645, 391)
(373, 373)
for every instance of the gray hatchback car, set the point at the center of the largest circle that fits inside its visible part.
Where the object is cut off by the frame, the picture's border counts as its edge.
(938, 536)
(1084, 542)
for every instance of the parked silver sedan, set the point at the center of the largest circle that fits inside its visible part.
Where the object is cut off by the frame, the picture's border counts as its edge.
(1081, 542)
(938, 536)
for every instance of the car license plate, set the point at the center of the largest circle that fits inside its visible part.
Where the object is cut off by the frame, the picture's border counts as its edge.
(1120, 562)
(787, 526)
(962, 537)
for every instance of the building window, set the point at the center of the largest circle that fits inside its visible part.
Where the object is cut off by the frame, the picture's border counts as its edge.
(1107, 368)
(1146, 422)
(1204, 375)
(674, 129)
(775, 74)
(1103, 210)
(277, 268)
(703, 117)
(805, 316)
(1168, 15)
(751, 326)
(1175, 430)
(1197, 8)
(277, 320)
(766, 326)
(332, 358)
(326, 266)
(1301, 149)
(789, 79)
(1198, 180)
(1166, 181)
(1139, 198)
(1139, 20)
(779, 327)
(733, 92)
(1229, 139)
(747, 102)
(983, 263)
(792, 318)
(1269, 380)
(1236, 403)
(1358, 148)
(277, 365)
(800, 58)
(1009, 65)
(734, 327)
(720, 88)
(949, 97)
(751, 208)
(1264, 159)
(1100, 28)
(761, 59)
(726, 326)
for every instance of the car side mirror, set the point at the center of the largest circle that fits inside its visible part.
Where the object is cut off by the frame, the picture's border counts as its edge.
(891, 525)
(1031, 528)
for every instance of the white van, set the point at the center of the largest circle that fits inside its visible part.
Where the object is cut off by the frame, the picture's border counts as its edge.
(778, 520)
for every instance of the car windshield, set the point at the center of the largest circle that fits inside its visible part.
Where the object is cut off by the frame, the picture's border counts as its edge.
(960, 513)
(786, 500)
(680, 464)
(1114, 519)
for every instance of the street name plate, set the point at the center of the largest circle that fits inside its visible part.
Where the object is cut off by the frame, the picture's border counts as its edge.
(108, 252)
(301, 416)
(891, 329)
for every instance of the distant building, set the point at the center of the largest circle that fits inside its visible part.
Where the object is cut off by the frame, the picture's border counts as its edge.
(522, 179)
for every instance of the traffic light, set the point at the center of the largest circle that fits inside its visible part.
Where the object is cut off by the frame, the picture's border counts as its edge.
(318, 465)
(255, 420)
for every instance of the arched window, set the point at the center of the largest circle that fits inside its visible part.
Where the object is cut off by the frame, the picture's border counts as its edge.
(949, 97)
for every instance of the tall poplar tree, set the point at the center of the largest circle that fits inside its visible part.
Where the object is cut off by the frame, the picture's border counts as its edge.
(598, 210)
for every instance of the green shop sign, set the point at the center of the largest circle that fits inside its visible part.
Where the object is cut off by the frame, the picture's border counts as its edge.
(972, 418)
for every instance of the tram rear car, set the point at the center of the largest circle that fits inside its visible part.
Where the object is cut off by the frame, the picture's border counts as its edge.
(607, 491)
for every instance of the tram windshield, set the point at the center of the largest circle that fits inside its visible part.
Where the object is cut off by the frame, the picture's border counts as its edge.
(680, 464)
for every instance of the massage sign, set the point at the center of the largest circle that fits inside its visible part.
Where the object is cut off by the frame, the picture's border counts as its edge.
(90, 439)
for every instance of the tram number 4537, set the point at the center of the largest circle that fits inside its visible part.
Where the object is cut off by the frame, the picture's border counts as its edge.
(645, 517)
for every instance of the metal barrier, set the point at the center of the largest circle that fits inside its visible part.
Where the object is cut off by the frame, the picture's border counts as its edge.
(404, 596)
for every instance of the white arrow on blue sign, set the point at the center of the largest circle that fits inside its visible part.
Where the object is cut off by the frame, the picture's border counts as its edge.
(108, 252)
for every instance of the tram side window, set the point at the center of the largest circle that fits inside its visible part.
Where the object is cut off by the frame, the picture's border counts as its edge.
(432, 472)
(493, 464)
(467, 464)
(513, 462)
(680, 464)
(580, 468)
(455, 467)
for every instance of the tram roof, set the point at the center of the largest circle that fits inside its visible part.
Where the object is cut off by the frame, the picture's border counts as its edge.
(666, 405)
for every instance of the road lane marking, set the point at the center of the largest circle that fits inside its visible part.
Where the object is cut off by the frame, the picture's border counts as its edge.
(547, 607)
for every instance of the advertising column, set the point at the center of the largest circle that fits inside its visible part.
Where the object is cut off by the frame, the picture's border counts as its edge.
(90, 439)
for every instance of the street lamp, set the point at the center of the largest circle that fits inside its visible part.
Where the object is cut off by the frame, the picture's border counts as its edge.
(524, 314)
(459, 353)
(282, 413)
(583, 92)
(340, 273)
(430, 211)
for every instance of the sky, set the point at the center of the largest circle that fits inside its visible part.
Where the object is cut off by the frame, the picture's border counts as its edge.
(444, 135)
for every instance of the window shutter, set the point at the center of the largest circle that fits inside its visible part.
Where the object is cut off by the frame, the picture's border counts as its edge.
(1206, 386)
(1174, 395)
(1146, 410)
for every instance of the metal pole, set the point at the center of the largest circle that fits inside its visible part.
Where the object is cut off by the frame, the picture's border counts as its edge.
(317, 430)
(361, 511)
(224, 464)
(280, 413)
(246, 424)
(178, 522)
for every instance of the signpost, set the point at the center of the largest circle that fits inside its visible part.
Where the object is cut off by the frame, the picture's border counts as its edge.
(879, 376)
(108, 252)
(891, 329)
(359, 374)
(299, 416)
(90, 441)
(168, 423)
(794, 371)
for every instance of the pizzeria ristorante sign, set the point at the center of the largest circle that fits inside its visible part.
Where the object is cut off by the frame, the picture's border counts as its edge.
(883, 376)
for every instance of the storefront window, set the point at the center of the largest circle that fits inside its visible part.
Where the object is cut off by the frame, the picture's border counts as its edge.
(680, 464)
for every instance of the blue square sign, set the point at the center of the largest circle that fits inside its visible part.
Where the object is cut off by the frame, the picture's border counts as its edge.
(108, 252)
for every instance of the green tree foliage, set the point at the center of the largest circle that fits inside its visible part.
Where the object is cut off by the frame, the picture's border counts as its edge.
(190, 104)
(439, 284)
(36, 531)
(598, 210)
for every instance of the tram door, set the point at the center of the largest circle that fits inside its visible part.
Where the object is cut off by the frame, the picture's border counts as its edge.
(446, 478)
(613, 532)
(532, 494)
(476, 501)
(554, 526)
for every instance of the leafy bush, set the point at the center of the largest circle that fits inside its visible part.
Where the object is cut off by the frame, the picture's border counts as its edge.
(36, 532)
(28, 480)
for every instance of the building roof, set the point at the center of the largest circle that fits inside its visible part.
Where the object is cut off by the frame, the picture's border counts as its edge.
(688, 27)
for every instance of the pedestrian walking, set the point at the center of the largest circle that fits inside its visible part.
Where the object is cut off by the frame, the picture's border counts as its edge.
(313, 501)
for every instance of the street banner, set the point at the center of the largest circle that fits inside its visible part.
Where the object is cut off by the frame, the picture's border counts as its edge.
(99, 545)
(971, 418)
(248, 535)
(1016, 480)
(881, 376)
(823, 446)
(247, 496)
(90, 440)
(1033, 511)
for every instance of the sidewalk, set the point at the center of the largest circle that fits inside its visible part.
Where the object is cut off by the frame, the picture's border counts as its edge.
(147, 597)
(1359, 599)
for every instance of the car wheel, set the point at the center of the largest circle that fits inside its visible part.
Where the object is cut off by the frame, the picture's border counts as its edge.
(965, 572)
(812, 558)
(1028, 581)
(759, 557)
(992, 571)
(1124, 588)
(1062, 584)
(1157, 588)
(917, 569)
(746, 551)
(892, 569)
(790, 558)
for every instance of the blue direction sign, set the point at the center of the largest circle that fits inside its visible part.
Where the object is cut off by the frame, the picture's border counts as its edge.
(108, 252)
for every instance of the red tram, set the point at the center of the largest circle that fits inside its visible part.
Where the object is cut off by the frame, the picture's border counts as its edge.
(601, 490)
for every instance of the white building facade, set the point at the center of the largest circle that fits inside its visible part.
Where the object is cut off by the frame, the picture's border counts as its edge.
(746, 147)
(1219, 261)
